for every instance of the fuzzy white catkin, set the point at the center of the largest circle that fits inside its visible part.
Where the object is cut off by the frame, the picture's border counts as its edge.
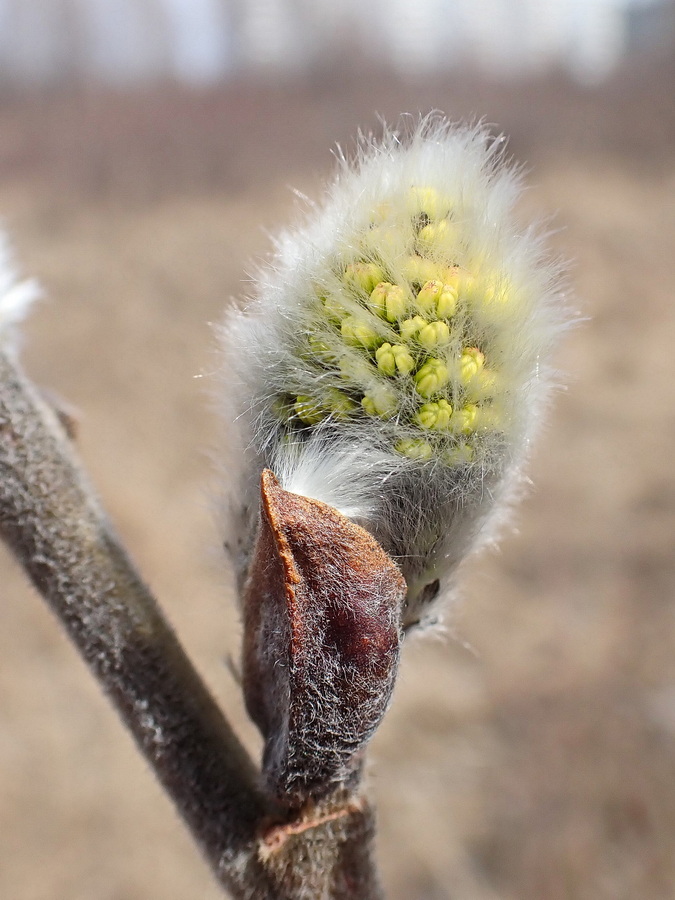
(393, 360)
(16, 297)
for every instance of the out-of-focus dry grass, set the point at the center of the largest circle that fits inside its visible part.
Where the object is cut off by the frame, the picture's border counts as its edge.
(531, 755)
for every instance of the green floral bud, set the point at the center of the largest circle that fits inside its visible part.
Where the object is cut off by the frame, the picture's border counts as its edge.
(394, 359)
(308, 410)
(414, 448)
(410, 328)
(418, 270)
(432, 377)
(428, 202)
(363, 276)
(380, 401)
(335, 310)
(440, 237)
(435, 416)
(470, 364)
(464, 420)
(434, 334)
(338, 404)
(446, 305)
(389, 301)
(359, 333)
(320, 350)
(437, 300)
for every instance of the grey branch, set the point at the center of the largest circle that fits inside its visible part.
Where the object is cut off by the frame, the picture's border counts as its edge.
(56, 528)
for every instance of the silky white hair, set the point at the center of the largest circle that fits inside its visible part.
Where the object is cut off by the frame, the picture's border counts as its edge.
(16, 297)
(426, 513)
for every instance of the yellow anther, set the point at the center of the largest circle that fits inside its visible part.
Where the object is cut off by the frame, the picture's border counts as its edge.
(434, 416)
(431, 378)
(414, 448)
(417, 270)
(394, 359)
(460, 455)
(363, 276)
(470, 364)
(359, 333)
(464, 420)
(410, 328)
(433, 334)
(389, 301)
(308, 410)
(380, 401)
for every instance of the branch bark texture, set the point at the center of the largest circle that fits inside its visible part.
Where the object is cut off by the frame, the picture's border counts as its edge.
(59, 533)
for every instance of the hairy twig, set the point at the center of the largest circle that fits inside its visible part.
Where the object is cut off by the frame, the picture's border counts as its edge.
(57, 530)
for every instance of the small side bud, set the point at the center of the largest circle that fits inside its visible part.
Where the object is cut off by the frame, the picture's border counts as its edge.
(321, 642)
(358, 333)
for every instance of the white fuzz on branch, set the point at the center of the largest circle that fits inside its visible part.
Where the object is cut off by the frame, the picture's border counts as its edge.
(16, 297)
(394, 359)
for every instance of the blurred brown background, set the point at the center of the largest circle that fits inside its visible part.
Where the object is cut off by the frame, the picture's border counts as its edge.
(529, 754)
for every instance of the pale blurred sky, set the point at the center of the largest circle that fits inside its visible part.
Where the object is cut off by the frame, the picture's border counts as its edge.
(203, 41)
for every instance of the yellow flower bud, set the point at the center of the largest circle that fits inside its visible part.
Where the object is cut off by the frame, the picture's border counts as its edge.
(380, 401)
(470, 364)
(446, 305)
(359, 333)
(363, 276)
(394, 359)
(483, 386)
(464, 420)
(433, 334)
(432, 377)
(462, 281)
(427, 201)
(308, 410)
(385, 241)
(437, 299)
(417, 270)
(434, 416)
(320, 349)
(427, 298)
(414, 448)
(440, 237)
(388, 301)
(410, 328)
(335, 310)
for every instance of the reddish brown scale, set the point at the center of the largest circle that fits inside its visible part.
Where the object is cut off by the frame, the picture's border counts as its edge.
(321, 643)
